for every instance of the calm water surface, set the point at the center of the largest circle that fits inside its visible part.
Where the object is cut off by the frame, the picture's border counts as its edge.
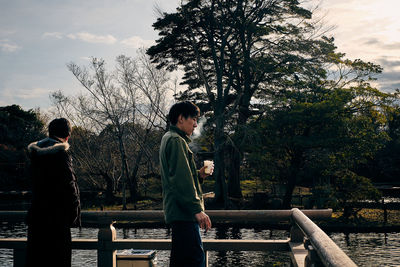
(365, 249)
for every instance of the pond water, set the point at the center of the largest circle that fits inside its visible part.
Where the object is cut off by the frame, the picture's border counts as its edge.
(365, 249)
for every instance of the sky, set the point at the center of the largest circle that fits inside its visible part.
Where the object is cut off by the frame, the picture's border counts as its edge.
(38, 38)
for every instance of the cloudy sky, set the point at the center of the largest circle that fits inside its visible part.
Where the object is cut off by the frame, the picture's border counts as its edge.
(39, 37)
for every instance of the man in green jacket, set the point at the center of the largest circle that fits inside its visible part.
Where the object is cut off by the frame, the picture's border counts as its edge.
(182, 195)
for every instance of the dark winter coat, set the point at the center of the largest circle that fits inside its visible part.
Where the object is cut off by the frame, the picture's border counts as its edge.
(56, 199)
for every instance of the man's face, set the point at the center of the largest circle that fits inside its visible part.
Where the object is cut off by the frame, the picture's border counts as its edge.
(187, 124)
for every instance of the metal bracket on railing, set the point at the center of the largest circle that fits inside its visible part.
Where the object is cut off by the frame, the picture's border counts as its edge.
(312, 259)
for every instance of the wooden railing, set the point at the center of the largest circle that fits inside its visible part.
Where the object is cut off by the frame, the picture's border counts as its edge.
(308, 244)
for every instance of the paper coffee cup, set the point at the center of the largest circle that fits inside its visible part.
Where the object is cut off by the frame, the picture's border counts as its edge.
(209, 164)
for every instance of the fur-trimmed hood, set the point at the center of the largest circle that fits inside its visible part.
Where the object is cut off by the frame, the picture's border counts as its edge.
(47, 146)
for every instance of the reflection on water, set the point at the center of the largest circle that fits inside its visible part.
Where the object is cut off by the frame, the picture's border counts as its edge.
(370, 249)
(220, 258)
(366, 249)
(10, 231)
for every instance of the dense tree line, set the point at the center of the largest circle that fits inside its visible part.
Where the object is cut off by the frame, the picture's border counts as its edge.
(96, 155)
(17, 129)
(283, 101)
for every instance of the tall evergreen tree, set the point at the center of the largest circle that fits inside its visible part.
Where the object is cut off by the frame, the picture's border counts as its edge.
(234, 52)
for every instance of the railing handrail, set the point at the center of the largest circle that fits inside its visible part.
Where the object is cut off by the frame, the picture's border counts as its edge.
(329, 253)
(217, 216)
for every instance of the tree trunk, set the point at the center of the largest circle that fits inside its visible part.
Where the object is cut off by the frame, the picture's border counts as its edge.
(133, 177)
(125, 171)
(109, 194)
(234, 188)
(134, 189)
(219, 162)
(243, 114)
(292, 179)
(287, 198)
(236, 150)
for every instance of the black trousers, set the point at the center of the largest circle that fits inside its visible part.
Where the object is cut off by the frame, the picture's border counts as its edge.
(187, 248)
(48, 245)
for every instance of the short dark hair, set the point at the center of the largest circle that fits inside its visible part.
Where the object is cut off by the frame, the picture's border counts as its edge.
(60, 127)
(185, 108)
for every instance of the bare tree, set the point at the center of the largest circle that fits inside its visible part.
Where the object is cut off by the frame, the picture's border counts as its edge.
(129, 102)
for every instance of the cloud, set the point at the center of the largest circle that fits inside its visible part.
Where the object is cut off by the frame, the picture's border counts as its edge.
(137, 42)
(361, 30)
(30, 93)
(83, 36)
(389, 63)
(388, 85)
(27, 98)
(92, 38)
(389, 79)
(381, 44)
(89, 59)
(4, 32)
(392, 46)
(10, 95)
(56, 35)
(372, 41)
(7, 46)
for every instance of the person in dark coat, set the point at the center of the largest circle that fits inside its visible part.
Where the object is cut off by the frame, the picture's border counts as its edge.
(55, 204)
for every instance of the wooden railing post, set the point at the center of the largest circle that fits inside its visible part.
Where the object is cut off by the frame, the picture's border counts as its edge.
(19, 255)
(106, 255)
(385, 213)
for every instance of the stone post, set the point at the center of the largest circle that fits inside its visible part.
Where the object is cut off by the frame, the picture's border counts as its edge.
(106, 255)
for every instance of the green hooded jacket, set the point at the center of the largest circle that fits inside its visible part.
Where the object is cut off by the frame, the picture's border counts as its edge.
(182, 194)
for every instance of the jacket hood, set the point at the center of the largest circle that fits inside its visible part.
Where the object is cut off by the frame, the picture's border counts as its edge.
(47, 146)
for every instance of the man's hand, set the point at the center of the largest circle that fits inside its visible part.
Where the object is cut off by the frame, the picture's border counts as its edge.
(203, 174)
(203, 220)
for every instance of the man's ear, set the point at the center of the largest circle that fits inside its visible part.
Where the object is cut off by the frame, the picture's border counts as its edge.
(180, 119)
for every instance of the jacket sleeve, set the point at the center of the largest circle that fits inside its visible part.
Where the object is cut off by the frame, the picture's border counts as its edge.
(70, 191)
(181, 178)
